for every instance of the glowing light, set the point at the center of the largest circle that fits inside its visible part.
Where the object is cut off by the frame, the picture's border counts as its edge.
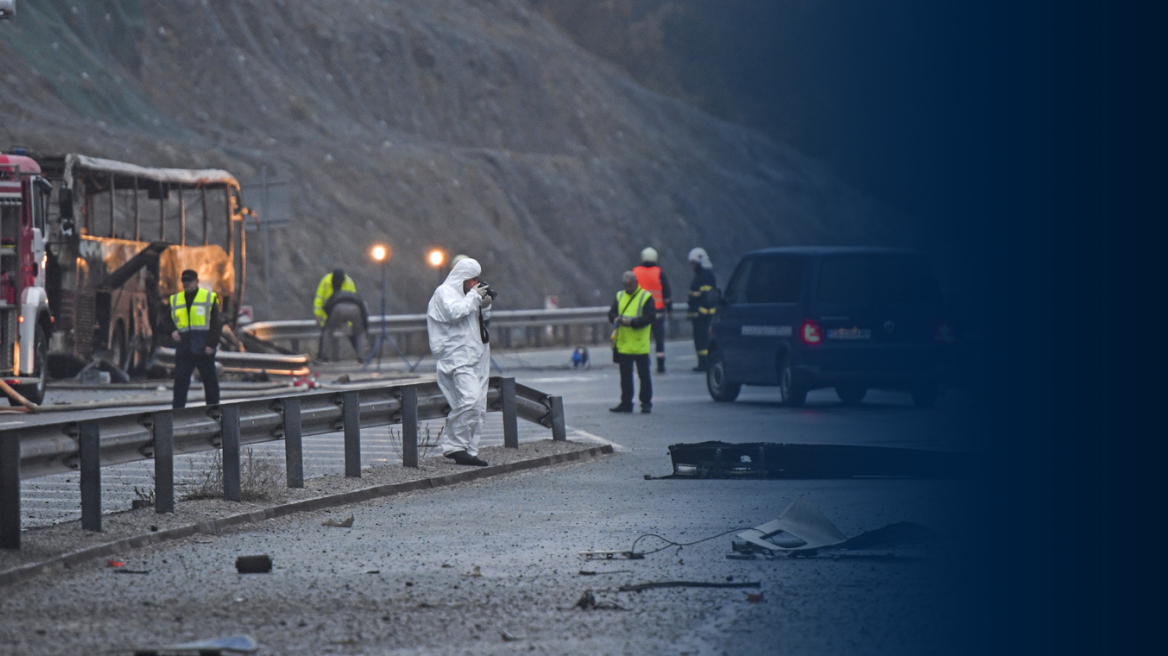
(436, 258)
(380, 252)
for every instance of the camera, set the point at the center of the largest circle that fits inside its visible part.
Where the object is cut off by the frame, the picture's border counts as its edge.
(490, 292)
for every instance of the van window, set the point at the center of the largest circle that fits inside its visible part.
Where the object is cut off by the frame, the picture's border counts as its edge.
(775, 279)
(736, 290)
(847, 279)
(908, 279)
(865, 279)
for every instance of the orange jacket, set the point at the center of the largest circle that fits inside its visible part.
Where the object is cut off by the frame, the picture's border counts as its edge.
(652, 280)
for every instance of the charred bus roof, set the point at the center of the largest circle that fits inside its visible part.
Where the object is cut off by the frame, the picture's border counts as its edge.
(125, 175)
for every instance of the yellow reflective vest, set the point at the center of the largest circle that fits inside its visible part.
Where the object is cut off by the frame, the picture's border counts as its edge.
(197, 316)
(324, 291)
(629, 340)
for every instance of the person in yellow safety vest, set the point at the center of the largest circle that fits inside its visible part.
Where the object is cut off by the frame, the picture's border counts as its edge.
(632, 315)
(701, 310)
(197, 327)
(652, 279)
(331, 283)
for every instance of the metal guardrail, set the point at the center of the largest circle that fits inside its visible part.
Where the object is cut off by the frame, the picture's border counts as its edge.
(295, 331)
(44, 449)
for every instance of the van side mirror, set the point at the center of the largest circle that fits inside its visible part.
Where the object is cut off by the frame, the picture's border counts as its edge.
(65, 203)
(715, 296)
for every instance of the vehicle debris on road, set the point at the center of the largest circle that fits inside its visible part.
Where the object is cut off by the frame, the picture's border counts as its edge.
(344, 523)
(802, 531)
(261, 564)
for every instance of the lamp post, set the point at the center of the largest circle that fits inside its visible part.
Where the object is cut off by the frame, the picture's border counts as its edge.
(380, 254)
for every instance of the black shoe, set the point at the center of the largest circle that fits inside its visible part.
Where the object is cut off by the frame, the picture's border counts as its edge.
(646, 409)
(621, 408)
(463, 458)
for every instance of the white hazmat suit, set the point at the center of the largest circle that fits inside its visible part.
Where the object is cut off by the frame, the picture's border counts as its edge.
(464, 361)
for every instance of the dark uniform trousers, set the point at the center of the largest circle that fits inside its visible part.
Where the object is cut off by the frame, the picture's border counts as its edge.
(701, 334)
(184, 365)
(626, 362)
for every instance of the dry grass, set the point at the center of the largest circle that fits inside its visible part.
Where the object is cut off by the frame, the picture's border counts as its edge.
(427, 442)
(261, 478)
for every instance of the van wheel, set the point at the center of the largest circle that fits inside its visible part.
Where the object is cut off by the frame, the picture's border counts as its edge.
(36, 391)
(721, 389)
(792, 393)
(851, 394)
(925, 396)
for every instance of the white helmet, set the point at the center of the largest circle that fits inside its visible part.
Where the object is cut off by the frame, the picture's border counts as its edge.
(698, 256)
(649, 255)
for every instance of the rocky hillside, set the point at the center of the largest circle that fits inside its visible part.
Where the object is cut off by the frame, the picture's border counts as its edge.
(474, 125)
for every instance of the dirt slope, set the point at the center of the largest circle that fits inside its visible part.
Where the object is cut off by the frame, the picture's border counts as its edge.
(468, 124)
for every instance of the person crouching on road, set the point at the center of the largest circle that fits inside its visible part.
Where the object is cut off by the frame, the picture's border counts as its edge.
(701, 310)
(455, 322)
(198, 324)
(632, 313)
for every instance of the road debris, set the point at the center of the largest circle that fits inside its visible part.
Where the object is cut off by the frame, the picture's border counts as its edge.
(585, 572)
(819, 461)
(261, 564)
(344, 523)
(510, 637)
(125, 570)
(803, 530)
(688, 584)
(586, 600)
(754, 598)
(114, 563)
(240, 644)
(476, 572)
(627, 554)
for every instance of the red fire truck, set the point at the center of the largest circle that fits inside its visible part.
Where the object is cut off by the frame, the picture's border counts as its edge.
(26, 323)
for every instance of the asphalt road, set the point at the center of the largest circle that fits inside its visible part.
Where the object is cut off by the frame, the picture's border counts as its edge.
(401, 580)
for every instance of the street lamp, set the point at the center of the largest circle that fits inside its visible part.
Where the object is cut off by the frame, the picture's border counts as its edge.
(381, 254)
(436, 257)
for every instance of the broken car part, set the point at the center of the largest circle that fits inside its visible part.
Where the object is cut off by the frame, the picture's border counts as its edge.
(803, 530)
(822, 461)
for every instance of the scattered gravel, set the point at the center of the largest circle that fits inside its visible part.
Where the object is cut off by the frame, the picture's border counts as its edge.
(45, 543)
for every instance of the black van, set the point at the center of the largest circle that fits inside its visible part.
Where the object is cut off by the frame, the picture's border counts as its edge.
(850, 318)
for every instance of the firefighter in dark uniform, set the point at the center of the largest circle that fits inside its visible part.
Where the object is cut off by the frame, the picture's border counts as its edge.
(701, 310)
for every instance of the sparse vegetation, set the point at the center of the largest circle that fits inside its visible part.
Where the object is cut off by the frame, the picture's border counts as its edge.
(261, 477)
(426, 441)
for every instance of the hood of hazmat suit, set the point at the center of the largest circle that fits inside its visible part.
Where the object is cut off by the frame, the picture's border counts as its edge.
(452, 319)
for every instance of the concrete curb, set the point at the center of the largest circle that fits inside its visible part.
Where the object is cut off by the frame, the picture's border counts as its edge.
(214, 526)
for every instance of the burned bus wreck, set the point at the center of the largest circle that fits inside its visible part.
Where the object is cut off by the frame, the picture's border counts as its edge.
(119, 237)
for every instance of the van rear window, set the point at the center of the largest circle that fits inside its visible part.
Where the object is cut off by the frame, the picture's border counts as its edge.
(861, 279)
(847, 279)
(775, 280)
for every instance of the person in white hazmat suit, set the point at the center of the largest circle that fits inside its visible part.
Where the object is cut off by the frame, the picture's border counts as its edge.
(454, 323)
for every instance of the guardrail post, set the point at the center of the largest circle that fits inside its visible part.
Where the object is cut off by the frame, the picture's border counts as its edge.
(351, 410)
(293, 447)
(409, 434)
(229, 426)
(559, 431)
(10, 491)
(90, 456)
(510, 415)
(163, 461)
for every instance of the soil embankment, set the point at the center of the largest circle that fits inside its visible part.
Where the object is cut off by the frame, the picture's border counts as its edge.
(473, 125)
